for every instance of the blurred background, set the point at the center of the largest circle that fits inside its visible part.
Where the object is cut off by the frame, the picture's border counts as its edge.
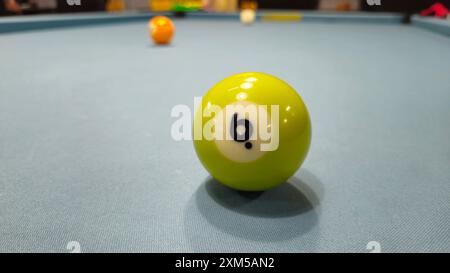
(25, 7)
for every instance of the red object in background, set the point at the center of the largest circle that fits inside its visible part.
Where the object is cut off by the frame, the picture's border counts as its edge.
(437, 9)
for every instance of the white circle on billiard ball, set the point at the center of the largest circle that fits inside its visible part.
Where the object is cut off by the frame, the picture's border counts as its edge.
(244, 150)
(248, 16)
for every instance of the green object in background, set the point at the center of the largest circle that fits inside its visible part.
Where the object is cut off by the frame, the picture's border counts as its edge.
(183, 8)
(241, 162)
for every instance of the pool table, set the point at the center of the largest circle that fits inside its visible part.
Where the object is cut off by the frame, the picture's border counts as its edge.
(88, 164)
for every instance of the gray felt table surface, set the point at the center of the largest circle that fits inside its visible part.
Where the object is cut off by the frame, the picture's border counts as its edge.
(86, 153)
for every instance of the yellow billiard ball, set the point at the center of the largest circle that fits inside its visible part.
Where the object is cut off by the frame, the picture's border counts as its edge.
(252, 131)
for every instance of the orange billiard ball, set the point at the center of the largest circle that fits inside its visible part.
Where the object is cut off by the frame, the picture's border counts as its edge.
(161, 29)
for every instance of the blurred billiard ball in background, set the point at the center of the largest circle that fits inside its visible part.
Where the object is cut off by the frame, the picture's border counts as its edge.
(161, 30)
(247, 16)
